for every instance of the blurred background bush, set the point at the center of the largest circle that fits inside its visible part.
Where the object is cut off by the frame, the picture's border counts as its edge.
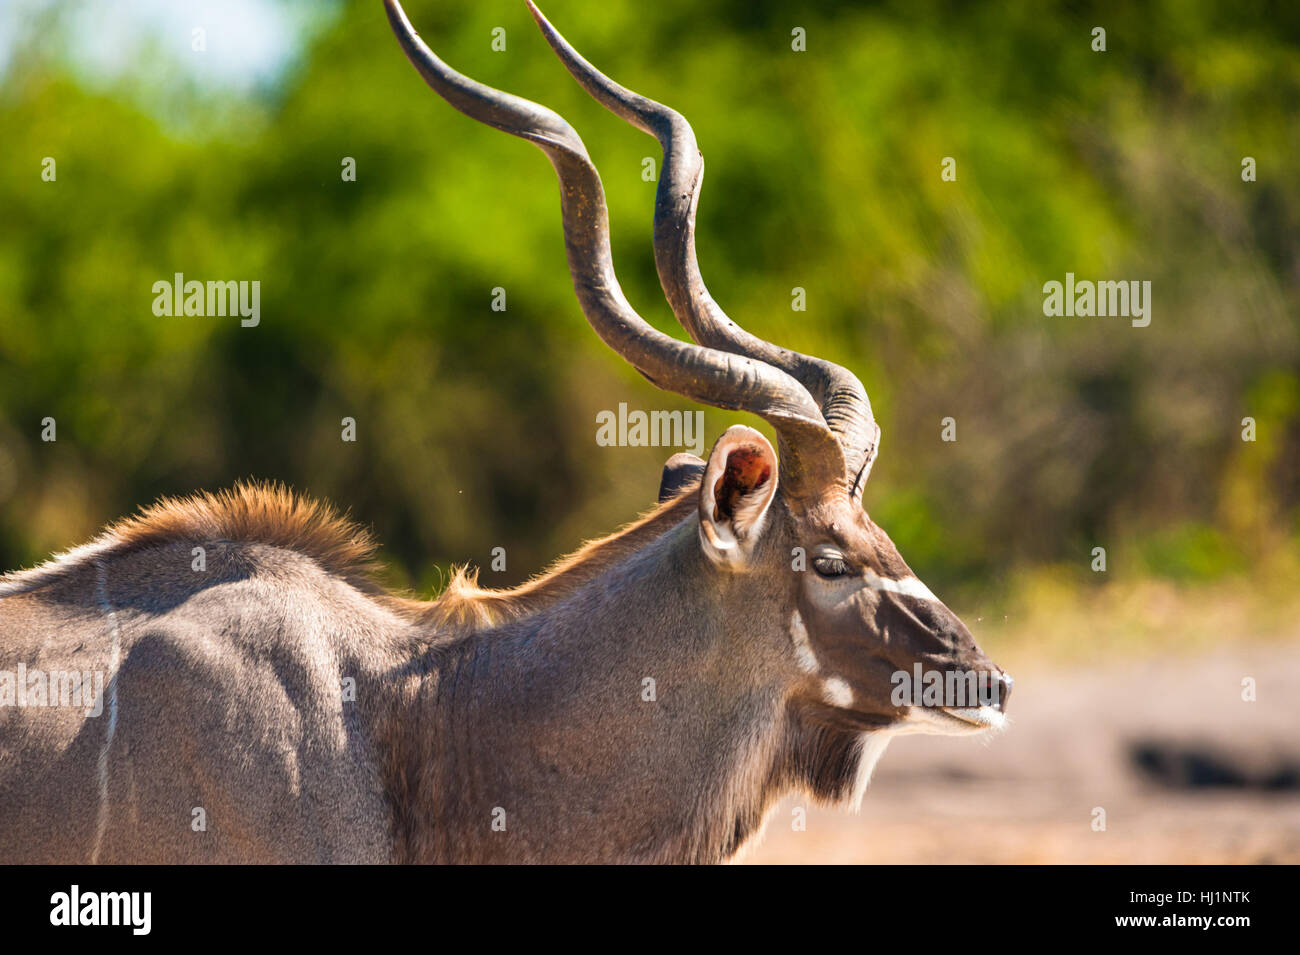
(476, 428)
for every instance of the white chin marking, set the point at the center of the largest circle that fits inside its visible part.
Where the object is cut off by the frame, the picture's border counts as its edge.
(984, 716)
(953, 721)
(907, 586)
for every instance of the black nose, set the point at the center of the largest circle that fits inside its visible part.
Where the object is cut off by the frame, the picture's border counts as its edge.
(1004, 684)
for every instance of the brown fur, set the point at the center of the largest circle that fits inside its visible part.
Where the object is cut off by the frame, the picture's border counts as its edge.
(260, 513)
(249, 512)
(270, 513)
(463, 604)
(525, 700)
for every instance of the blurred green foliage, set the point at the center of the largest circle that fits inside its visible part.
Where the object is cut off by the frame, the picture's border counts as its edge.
(476, 428)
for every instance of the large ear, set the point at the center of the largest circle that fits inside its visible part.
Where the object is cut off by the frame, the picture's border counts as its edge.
(681, 471)
(739, 482)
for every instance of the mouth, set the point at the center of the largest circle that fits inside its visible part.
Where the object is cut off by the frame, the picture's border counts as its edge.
(976, 718)
(953, 720)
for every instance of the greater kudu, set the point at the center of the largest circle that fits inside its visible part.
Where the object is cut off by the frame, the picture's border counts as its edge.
(266, 701)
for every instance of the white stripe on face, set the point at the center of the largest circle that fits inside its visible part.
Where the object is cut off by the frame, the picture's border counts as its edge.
(803, 651)
(907, 586)
(837, 692)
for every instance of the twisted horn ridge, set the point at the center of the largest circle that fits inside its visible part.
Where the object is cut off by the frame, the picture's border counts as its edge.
(811, 459)
(838, 392)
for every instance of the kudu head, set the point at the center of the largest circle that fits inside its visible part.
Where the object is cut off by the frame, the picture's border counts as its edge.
(858, 623)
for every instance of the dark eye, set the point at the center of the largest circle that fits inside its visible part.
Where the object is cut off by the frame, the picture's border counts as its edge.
(830, 566)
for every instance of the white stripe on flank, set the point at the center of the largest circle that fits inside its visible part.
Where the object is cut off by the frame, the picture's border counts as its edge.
(907, 586)
(101, 591)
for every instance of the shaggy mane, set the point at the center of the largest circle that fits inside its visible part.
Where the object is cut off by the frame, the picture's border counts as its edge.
(272, 514)
(257, 513)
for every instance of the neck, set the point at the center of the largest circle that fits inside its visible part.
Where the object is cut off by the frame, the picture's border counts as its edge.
(623, 719)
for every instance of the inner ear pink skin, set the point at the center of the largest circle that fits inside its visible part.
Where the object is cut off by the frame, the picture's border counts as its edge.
(747, 470)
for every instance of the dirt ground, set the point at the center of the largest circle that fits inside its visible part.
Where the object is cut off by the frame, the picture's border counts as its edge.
(1185, 770)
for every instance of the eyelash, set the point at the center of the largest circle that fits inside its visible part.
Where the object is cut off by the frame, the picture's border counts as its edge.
(830, 566)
